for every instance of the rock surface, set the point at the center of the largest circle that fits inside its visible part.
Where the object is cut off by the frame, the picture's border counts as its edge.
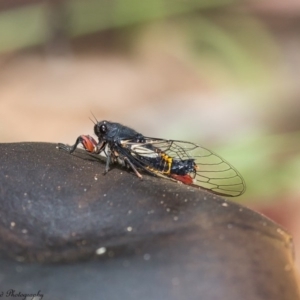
(126, 238)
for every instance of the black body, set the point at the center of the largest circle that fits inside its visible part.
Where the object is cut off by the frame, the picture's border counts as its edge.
(180, 160)
(178, 167)
(114, 133)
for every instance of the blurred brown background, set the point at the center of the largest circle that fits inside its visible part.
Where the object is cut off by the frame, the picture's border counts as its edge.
(223, 74)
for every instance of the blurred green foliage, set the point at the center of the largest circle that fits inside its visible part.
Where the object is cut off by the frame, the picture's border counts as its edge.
(22, 27)
(29, 25)
(269, 163)
(221, 38)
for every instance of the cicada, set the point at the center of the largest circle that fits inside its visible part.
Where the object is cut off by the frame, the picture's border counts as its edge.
(182, 161)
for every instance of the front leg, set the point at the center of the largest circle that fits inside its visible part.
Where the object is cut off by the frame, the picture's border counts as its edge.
(88, 143)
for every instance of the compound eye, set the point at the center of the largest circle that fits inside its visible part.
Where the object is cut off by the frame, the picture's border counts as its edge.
(103, 129)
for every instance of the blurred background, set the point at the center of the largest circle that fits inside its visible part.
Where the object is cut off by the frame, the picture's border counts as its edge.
(220, 73)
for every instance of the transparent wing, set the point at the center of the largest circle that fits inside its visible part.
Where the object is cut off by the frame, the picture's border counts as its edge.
(213, 172)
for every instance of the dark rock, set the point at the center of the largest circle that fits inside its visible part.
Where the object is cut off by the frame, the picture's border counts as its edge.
(126, 238)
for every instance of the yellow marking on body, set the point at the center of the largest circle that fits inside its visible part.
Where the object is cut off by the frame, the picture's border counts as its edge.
(153, 170)
(169, 160)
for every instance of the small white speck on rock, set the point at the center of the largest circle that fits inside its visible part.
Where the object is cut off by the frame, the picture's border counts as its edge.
(100, 250)
(129, 228)
(20, 258)
(175, 281)
(147, 256)
(126, 263)
(225, 204)
(221, 237)
(19, 269)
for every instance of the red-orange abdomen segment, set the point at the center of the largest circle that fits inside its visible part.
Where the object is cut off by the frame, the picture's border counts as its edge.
(186, 179)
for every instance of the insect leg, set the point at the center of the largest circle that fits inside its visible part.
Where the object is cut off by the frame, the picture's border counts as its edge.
(133, 168)
(68, 148)
(108, 159)
(88, 143)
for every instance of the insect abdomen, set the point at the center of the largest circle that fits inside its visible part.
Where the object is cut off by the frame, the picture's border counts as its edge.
(183, 167)
(168, 165)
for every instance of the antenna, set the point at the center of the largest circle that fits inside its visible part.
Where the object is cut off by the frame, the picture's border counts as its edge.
(94, 118)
